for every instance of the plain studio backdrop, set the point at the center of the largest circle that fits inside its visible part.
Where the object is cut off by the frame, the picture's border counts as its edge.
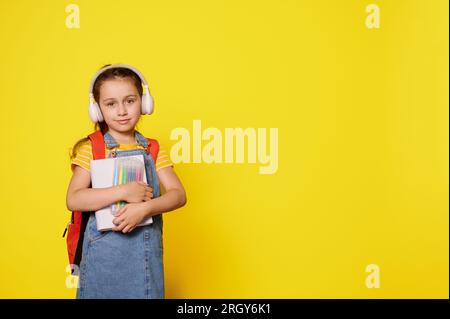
(358, 205)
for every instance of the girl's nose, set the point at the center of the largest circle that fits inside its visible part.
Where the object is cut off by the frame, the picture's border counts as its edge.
(122, 109)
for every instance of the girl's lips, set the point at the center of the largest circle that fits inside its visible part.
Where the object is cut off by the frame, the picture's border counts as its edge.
(123, 121)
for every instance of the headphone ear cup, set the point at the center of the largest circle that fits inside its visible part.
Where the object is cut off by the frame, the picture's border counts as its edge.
(147, 104)
(99, 112)
(95, 113)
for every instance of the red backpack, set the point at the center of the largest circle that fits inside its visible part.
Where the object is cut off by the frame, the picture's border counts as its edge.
(77, 225)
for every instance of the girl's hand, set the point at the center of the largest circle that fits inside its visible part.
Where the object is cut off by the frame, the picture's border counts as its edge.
(136, 192)
(129, 217)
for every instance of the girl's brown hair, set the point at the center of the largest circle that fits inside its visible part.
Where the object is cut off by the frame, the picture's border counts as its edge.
(109, 74)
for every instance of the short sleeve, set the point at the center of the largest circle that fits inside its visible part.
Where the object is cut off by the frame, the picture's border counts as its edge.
(83, 156)
(163, 159)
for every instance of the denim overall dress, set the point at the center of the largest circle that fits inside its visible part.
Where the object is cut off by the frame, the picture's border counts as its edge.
(118, 265)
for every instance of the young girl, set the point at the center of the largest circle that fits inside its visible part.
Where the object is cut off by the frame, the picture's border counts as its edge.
(126, 262)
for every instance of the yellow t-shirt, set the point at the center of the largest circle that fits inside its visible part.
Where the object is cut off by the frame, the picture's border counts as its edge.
(84, 155)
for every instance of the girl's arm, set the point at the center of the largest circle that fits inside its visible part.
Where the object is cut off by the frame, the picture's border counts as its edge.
(173, 198)
(80, 197)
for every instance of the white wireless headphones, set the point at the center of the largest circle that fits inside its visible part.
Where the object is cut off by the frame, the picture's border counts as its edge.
(94, 109)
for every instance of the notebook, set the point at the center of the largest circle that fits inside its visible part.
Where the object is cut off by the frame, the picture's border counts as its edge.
(112, 171)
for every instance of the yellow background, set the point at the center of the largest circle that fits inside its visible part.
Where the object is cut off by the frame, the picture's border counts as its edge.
(363, 141)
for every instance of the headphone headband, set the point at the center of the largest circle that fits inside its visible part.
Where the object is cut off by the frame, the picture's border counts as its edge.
(119, 65)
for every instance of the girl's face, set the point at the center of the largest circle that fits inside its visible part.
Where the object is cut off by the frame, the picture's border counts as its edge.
(120, 104)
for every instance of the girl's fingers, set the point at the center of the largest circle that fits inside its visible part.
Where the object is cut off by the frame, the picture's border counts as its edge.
(120, 212)
(119, 219)
(149, 194)
(117, 222)
(126, 229)
(121, 226)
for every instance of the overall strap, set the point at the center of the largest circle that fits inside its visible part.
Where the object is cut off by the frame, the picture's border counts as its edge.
(98, 145)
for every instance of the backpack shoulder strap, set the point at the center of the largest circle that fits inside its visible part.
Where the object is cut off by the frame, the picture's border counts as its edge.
(98, 145)
(153, 148)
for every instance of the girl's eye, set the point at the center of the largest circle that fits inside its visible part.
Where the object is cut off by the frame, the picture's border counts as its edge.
(130, 101)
